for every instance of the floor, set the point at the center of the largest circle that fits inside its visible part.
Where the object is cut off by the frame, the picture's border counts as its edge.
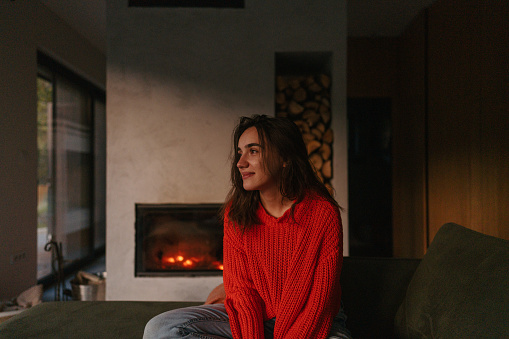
(98, 266)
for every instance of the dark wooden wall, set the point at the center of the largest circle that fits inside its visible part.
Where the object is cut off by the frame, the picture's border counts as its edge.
(448, 77)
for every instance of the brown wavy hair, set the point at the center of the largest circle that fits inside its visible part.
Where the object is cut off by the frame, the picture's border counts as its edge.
(281, 143)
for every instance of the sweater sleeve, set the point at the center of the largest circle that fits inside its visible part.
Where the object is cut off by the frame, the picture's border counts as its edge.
(243, 303)
(312, 295)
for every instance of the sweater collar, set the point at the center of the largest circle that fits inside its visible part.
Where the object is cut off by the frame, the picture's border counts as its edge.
(268, 219)
(299, 208)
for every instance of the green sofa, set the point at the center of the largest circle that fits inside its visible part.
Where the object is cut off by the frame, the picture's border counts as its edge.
(460, 289)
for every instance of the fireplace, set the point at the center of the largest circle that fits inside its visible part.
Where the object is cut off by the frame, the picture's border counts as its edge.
(178, 239)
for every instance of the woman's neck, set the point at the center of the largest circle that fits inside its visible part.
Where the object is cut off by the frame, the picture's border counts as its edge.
(274, 203)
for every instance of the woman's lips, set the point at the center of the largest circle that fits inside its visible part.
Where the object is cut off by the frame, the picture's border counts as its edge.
(247, 175)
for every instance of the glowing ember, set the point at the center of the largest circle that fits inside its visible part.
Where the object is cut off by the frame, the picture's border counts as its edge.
(180, 261)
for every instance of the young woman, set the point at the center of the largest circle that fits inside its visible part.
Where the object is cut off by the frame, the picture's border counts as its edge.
(283, 246)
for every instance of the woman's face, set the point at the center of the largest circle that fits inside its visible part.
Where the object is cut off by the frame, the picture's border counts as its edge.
(250, 164)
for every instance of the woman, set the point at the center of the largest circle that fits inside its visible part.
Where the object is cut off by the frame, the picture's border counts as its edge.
(282, 247)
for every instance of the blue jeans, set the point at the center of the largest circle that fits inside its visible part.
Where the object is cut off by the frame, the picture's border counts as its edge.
(211, 322)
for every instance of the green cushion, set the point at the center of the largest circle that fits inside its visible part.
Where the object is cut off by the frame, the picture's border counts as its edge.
(459, 290)
(86, 319)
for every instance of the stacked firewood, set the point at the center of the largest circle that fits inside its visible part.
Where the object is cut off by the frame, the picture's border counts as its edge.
(306, 101)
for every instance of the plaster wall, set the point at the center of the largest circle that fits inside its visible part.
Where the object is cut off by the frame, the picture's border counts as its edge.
(178, 79)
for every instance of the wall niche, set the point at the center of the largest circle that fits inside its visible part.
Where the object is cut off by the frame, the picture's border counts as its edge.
(303, 94)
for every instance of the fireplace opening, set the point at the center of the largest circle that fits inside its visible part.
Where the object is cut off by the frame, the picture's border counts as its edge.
(178, 239)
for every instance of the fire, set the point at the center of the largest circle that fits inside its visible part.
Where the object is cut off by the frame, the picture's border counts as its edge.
(181, 262)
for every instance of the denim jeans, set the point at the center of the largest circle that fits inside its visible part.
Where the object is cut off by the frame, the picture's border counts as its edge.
(211, 322)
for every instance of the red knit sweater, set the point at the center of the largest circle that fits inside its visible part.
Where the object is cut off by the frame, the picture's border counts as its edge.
(285, 269)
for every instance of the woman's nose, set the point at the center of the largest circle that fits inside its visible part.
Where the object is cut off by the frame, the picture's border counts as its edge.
(242, 163)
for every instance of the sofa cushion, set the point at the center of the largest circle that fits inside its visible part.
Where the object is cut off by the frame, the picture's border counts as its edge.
(86, 319)
(459, 290)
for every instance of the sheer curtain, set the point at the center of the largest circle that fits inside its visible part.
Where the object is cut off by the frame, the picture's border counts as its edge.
(73, 175)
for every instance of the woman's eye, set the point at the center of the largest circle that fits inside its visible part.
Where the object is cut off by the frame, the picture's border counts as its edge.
(253, 151)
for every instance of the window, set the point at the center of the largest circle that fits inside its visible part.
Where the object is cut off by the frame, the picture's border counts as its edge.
(71, 184)
(44, 213)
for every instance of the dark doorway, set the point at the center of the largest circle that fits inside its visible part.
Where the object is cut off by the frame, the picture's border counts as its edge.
(369, 177)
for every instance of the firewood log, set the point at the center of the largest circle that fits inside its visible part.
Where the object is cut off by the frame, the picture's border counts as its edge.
(300, 95)
(312, 105)
(308, 137)
(294, 83)
(313, 145)
(311, 117)
(327, 169)
(317, 133)
(325, 80)
(314, 87)
(325, 151)
(303, 126)
(325, 114)
(321, 127)
(295, 108)
(317, 161)
(328, 136)
(281, 83)
(280, 98)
